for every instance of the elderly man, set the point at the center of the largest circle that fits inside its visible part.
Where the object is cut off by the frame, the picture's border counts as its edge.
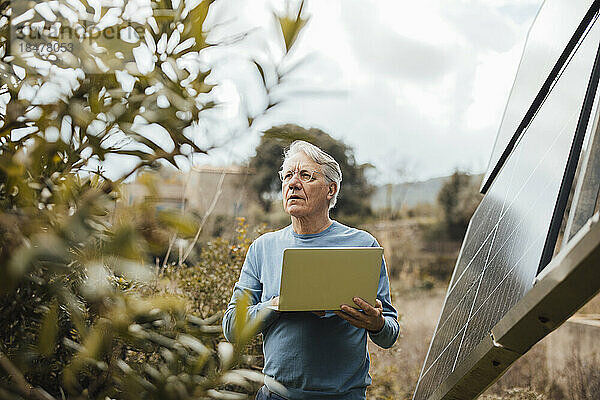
(313, 355)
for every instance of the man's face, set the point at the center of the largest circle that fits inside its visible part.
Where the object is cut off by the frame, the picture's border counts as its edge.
(301, 199)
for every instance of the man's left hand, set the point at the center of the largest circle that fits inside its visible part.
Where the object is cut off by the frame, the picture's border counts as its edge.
(370, 318)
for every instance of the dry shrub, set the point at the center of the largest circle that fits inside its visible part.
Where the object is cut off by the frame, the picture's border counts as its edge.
(386, 386)
(583, 377)
(414, 258)
(578, 376)
(208, 283)
(516, 394)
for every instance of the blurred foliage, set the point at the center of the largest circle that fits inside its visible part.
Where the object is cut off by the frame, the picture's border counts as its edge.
(353, 200)
(159, 224)
(208, 281)
(458, 199)
(291, 27)
(72, 312)
(82, 315)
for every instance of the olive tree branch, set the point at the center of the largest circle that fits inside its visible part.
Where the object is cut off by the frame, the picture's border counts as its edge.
(26, 389)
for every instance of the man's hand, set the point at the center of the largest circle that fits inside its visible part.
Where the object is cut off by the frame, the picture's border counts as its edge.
(370, 318)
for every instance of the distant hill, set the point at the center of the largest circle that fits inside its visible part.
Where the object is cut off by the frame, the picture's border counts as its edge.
(410, 194)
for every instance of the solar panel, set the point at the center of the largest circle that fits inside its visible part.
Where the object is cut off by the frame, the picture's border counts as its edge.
(547, 48)
(515, 225)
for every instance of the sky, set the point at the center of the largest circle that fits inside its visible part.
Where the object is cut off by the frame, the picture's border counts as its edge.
(415, 88)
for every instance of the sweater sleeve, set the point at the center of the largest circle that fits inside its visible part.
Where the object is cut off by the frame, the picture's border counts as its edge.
(249, 283)
(387, 335)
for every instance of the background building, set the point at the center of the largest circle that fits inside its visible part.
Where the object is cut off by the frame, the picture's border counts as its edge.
(194, 190)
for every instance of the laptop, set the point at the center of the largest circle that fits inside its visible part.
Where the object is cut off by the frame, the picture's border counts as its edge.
(322, 279)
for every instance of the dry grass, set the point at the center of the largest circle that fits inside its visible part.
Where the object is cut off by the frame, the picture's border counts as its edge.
(395, 371)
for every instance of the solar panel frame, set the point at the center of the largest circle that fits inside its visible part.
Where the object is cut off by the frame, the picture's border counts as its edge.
(587, 189)
(572, 162)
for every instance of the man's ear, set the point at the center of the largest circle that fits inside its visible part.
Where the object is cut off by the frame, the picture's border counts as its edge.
(332, 190)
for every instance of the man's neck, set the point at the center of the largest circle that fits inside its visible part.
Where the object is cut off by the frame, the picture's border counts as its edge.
(305, 226)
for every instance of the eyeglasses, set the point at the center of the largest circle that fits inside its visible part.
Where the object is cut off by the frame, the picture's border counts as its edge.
(304, 175)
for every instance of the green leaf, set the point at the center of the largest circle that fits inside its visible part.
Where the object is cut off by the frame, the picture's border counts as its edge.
(181, 223)
(261, 72)
(49, 330)
(123, 241)
(226, 353)
(241, 316)
(99, 341)
(290, 28)
(193, 25)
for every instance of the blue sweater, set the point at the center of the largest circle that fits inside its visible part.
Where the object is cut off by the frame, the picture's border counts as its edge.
(313, 357)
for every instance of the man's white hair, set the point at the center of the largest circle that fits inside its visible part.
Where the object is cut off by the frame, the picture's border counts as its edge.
(329, 167)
